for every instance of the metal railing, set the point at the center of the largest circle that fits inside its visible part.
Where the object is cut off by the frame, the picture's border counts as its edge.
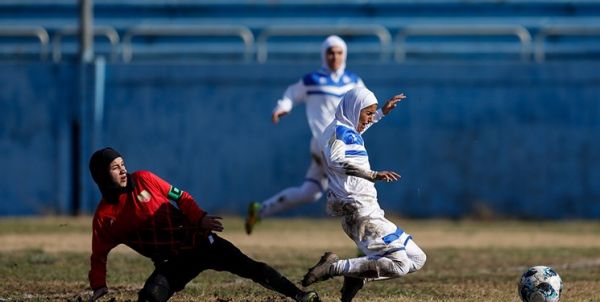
(380, 32)
(560, 30)
(189, 31)
(526, 45)
(28, 31)
(103, 31)
(480, 30)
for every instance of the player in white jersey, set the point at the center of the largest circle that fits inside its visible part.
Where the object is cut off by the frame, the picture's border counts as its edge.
(389, 251)
(321, 91)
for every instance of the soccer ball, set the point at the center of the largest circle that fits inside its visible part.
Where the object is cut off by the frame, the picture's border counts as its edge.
(540, 284)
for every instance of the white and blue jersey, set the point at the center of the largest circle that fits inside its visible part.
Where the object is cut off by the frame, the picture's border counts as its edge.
(354, 197)
(321, 91)
(390, 252)
(347, 161)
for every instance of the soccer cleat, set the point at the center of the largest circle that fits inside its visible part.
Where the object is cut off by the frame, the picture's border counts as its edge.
(252, 219)
(320, 271)
(351, 287)
(308, 297)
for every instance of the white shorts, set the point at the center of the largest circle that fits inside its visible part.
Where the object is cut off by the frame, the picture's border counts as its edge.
(316, 171)
(373, 233)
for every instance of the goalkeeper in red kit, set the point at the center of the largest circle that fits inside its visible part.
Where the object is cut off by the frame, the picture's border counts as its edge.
(165, 224)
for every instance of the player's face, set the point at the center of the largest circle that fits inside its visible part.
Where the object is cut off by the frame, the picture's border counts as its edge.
(118, 172)
(334, 57)
(366, 117)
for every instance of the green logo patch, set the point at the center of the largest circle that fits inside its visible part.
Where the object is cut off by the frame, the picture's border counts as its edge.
(174, 194)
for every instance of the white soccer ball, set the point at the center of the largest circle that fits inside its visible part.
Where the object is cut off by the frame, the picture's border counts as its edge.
(540, 284)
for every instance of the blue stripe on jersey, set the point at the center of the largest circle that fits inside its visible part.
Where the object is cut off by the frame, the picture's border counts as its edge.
(356, 153)
(393, 236)
(393, 251)
(348, 136)
(407, 239)
(325, 93)
(316, 78)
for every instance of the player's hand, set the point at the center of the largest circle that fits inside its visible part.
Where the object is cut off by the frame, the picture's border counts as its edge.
(387, 176)
(211, 223)
(99, 292)
(277, 115)
(391, 103)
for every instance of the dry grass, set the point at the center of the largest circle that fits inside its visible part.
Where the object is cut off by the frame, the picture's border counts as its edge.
(47, 259)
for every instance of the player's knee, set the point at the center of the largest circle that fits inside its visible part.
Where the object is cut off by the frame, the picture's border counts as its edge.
(388, 268)
(310, 191)
(400, 268)
(316, 196)
(156, 289)
(418, 261)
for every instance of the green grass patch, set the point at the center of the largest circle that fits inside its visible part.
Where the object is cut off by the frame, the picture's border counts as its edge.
(452, 273)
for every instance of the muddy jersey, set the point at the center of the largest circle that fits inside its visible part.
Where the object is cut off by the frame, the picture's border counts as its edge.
(346, 158)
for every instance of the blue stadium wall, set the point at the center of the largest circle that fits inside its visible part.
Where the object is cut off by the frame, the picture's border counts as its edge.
(517, 140)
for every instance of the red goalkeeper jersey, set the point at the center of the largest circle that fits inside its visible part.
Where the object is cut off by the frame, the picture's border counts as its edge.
(155, 219)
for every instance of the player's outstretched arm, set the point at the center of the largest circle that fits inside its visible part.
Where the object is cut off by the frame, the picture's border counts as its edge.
(392, 103)
(294, 94)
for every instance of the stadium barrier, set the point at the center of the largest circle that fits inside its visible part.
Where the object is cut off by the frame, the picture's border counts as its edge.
(107, 32)
(420, 42)
(514, 139)
(570, 49)
(347, 31)
(468, 47)
(153, 31)
(22, 48)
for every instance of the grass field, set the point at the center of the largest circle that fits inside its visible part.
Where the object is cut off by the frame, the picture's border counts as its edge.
(47, 259)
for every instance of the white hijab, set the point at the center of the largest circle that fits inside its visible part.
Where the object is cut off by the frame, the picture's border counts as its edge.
(329, 42)
(348, 112)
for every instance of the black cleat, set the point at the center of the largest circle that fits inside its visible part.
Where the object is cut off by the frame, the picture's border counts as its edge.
(308, 297)
(320, 271)
(351, 287)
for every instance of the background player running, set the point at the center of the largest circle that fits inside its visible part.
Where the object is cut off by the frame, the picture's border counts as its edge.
(321, 91)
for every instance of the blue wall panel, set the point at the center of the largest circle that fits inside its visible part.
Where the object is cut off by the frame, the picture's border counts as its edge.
(35, 111)
(521, 140)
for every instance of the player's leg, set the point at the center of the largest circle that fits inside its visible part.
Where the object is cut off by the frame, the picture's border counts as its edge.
(394, 258)
(224, 256)
(311, 190)
(170, 276)
(157, 288)
(351, 287)
(385, 246)
(373, 267)
(416, 255)
(369, 267)
(357, 271)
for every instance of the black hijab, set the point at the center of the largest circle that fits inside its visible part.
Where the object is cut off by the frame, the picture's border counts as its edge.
(99, 168)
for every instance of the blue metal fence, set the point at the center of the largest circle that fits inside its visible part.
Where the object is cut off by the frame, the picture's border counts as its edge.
(517, 139)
